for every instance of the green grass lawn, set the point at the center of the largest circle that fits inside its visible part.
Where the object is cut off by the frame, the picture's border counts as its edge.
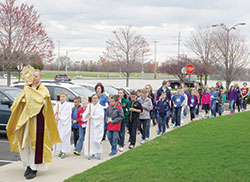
(52, 74)
(216, 149)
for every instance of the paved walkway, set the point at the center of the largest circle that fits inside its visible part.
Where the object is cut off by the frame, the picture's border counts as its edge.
(61, 169)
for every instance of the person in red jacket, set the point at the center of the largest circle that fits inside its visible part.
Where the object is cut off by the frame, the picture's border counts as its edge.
(114, 116)
(244, 95)
(82, 127)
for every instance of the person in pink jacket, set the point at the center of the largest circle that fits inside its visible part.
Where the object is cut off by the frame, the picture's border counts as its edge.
(205, 103)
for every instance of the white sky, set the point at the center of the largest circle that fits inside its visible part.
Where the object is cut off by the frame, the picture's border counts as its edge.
(87, 24)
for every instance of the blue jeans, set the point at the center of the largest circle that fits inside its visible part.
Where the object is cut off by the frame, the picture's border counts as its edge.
(80, 140)
(185, 110)
(148, 128)
(177, 113)
(213, 109)
(173, 116)
(113, 140)
(232, 105)
(162, 123)
(122, 134)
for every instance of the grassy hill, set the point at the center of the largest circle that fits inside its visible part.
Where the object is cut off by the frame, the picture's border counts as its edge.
(215, 149)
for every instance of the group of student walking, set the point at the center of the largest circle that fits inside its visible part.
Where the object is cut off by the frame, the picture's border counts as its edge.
(111, 115)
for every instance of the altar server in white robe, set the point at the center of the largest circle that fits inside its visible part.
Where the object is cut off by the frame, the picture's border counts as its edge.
(94, 113)
(63, 118)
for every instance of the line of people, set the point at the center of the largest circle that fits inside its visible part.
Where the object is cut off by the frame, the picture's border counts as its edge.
(111, 115)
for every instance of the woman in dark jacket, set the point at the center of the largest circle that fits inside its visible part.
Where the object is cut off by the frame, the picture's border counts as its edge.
(151, 95)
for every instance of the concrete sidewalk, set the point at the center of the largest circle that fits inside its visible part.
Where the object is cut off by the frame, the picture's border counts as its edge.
(61, 169)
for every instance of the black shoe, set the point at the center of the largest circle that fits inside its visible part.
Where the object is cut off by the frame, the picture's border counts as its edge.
(27, 171)
(31, 174)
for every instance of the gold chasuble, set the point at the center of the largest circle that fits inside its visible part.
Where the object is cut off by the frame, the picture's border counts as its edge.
(21, 129)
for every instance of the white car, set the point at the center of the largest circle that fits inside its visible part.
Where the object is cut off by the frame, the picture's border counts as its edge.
(56, 88)
(5, 76)
(108, 89)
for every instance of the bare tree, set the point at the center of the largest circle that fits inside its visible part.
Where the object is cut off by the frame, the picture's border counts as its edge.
(232, 54)
(22, 37)
(174, 67)
(126, 48)
(62, 61)
(201, 43)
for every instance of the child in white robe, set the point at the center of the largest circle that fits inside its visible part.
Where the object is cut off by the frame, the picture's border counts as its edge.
(62, 112)
(94, 129)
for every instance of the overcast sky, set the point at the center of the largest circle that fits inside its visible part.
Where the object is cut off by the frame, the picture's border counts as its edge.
(87, 24)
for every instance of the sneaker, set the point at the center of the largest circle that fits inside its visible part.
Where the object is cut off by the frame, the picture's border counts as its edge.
(121, 149)
(131, 146)
(63, 155)
(146, 138)
(142, 141)
(60, 154)
(98, 156)
(112, 153)
(158, 132)
(77, 153)
(178, 126)
(163, 133)
(91, 156)
(174, 127)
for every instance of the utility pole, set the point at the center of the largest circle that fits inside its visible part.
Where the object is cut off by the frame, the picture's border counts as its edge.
(155, 69)
(179, 46)
(68, 59)
(58, 56)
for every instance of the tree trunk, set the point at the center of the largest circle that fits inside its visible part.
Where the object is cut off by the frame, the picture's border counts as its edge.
(228, 82)
(127, 80)
(206, 79)
(201, 79)
(8, 77)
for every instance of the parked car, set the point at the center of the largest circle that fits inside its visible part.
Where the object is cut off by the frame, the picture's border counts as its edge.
(127, 90)
(108, 89)
(56, 88)
(5, 76)
(62, 77)
(7, 97)
(79, 77)
(174, 84)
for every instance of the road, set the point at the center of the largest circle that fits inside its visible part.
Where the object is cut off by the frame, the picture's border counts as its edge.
(133, 83)
(6, 156)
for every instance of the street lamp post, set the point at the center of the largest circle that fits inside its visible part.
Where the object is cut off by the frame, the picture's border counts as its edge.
(66, 61)
(155, 66)
(227, 35)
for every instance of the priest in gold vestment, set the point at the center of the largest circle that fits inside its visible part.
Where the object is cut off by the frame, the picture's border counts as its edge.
(32, 129)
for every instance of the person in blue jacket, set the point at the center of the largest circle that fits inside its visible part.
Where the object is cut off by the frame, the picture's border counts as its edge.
(178, 102)
(164, 88)
(162, 113)
(75, 125)
(214, 100)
